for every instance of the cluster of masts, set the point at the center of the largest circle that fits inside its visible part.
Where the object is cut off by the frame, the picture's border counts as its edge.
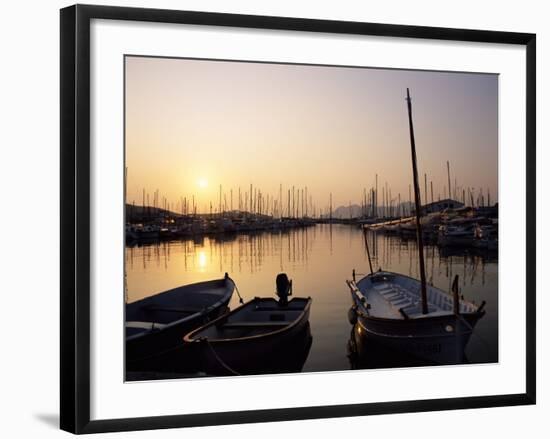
(298, 202)
(293, 202)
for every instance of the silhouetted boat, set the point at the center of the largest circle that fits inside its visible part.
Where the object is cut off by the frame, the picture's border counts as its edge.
(486, 237)
(460, 235)
(264, 335)
(157, 324)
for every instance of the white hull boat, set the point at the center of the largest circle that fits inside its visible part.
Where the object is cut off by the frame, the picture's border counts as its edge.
(387, 309)
(407, 315)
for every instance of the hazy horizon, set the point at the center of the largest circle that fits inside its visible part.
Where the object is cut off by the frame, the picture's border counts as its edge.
(193, 125)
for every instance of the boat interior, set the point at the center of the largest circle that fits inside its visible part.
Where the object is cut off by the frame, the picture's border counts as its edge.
(260, 316)
(387, 293)
(155, 312)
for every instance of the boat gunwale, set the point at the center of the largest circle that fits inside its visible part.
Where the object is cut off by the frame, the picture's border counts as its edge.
(188, 338)
(352, 283)
(412, 320)
(225, 298)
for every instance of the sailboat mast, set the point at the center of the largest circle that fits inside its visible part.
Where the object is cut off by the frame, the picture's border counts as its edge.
(418, 212)
(449, 178)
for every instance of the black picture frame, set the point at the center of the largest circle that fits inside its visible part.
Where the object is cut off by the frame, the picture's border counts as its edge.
(75, 217)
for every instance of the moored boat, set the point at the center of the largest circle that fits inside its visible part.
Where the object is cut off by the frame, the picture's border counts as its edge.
(155, 325)
(147, 232)
(486, 237)
(462, 236)
(130, 233)
(408, 315)
(264, 335)
(388, 310)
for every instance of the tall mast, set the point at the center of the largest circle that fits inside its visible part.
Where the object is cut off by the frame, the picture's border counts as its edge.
(425, 189)
(376, 198)
(449, 178)
(281, 200)
(418, 212)
(288, 211)
(220, 204)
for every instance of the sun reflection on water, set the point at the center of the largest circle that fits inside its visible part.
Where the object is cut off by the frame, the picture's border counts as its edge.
(201, 260)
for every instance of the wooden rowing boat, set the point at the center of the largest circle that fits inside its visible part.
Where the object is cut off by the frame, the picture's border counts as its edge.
(387, 309)
(264, 335)
(408, 315)
(155, 325)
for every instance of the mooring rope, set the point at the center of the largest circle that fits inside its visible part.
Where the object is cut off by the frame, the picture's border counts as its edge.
(238, 292)
(220, 361)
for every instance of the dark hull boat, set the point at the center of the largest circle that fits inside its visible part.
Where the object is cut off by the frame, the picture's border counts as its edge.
(156, 325)
(455, 236)
(262, 336)
(387, 311)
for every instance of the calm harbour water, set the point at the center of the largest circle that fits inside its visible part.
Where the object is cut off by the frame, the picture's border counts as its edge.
(318, 259)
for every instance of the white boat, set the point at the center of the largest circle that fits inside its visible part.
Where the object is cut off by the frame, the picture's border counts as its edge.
(387, 308)
(408, 315)
(408, 229)
(155, 325)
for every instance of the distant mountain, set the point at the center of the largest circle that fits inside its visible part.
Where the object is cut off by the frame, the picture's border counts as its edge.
(138, 213)
(352, 211)
(149, 211)
(355, 210)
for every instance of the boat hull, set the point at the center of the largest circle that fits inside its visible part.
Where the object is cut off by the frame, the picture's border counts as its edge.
(281, 351)
(455, 241)
(161, 349)
(484, 244)
(438, 340)
(386, 311)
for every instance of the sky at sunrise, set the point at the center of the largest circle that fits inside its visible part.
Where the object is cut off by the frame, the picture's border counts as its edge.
(193, 125)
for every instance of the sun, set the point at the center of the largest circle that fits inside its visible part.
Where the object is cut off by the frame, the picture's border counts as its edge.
(203, 183)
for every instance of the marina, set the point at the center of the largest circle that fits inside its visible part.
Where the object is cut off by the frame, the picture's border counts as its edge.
(319, 259)
(264, 257)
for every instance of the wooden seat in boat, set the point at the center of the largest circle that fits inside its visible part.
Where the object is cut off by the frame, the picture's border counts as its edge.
(255, 324)
(144, 325)
(401, 301)
(185, 309)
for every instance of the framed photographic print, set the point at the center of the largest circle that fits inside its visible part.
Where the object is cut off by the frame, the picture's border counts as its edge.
(312, 208)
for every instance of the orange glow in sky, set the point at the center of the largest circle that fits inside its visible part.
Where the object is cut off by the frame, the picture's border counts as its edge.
(193, 125)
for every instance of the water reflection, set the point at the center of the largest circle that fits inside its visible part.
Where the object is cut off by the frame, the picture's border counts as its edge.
(318, 259)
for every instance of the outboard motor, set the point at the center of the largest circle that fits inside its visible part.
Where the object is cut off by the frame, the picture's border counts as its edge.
(284, 288)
